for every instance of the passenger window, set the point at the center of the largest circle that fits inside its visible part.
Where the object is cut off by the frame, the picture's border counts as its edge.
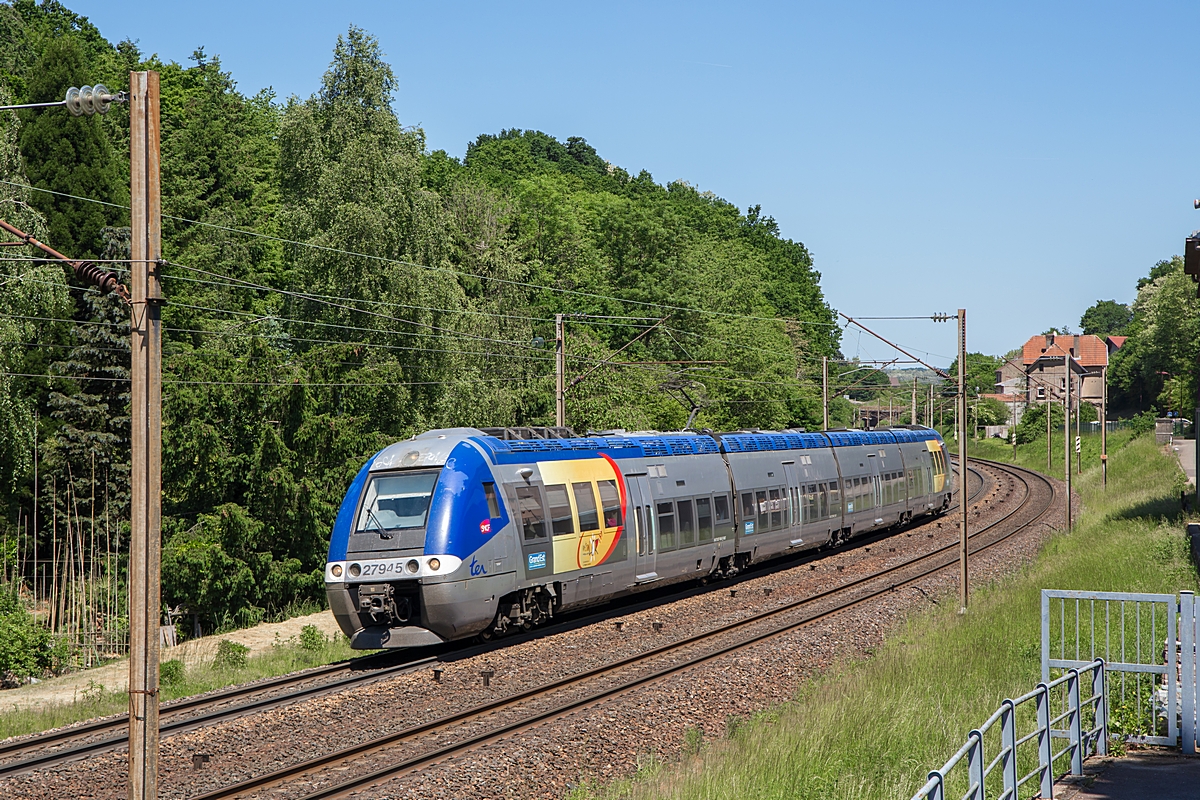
(748, 510)
(776, 513)
(687, 523)
(666, 526)
(533, 516)
(810, 502)
(763, 512)
(585, 503)
(610, 501)
(704, 519)
(560, 509)
(721, 508)
(489, 491)
(835, 500)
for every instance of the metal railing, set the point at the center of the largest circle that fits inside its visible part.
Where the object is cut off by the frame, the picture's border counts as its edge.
(1130, 631)
(1001, 778)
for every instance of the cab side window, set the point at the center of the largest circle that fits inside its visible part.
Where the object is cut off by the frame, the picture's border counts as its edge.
(533, 515)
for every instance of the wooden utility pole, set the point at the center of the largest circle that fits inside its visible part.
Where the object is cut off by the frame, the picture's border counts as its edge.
(912, 417)
(560, 369)
(1104, 428)
(1067, 437)
(963, 593)
(825, 392)
(1049, 403)
(146, 435)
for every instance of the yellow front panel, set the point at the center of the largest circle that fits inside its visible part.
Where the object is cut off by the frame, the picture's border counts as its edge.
(939, 476)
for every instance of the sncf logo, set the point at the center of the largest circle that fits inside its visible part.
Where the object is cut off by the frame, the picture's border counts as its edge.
(537, 560)
(485, 527)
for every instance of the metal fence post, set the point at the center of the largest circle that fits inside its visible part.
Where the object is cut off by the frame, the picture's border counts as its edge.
(975, 765)
(1100, 690)
(1045, 747)
(1074, 730)
(1008, 741)
(939, 789)
(1172, 684)
(1187, 668)
(1046, 630)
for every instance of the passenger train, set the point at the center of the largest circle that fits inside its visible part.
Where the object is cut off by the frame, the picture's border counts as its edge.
(464, 532)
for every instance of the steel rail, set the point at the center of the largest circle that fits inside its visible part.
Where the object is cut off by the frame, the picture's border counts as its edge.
(48, 748)
(305, 768)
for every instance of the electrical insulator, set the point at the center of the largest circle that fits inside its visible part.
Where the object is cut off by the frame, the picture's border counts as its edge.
(91, 100)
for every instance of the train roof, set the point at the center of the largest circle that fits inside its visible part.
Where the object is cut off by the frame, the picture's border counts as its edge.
(684, 444)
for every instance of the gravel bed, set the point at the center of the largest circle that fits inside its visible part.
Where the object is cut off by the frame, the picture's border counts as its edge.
(602, 742)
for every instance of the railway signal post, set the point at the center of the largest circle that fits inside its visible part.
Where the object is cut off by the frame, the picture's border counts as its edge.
(146, 434)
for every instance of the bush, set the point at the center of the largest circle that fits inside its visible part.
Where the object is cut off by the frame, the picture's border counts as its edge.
(1142, 423)
(170, 673)
(26, 649)
(230, 655)
(311, 639)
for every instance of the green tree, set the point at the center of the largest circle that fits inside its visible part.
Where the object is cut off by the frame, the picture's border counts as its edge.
(980, 374)
(71, 156)
(1106, 318)
(1156, 364)
(1033, 421)
(31, 292)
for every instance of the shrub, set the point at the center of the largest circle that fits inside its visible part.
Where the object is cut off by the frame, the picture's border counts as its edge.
(230, 655)
(26, 649)
(170, 673)
(311, 639)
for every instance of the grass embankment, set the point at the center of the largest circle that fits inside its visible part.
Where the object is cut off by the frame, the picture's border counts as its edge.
(226, 665)
(875, 729)
(1033, 454)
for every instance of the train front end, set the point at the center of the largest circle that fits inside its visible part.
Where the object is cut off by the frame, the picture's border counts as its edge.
(417, 555)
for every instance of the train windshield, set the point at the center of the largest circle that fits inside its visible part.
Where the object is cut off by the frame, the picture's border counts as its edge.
(398, 500)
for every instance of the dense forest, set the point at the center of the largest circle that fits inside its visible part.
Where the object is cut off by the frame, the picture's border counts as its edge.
(333, 286)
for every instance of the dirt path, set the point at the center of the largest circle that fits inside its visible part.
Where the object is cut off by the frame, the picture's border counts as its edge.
(115, 675)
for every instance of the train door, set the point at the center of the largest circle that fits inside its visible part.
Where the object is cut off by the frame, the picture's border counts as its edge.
(794, 503)
(640, 509)
(534, 532)
(875, 491)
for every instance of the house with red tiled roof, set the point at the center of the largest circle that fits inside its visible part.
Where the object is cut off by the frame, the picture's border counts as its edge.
(1046, 358)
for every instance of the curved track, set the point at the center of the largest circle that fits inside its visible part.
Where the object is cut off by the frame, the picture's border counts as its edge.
(108, 735)
(502, 718)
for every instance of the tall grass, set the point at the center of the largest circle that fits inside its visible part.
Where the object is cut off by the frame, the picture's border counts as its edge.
(874, 729)
(210, 669)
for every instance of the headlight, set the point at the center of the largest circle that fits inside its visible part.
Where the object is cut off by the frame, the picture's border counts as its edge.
(412, 566)
(435, 564)
(337, 570)
(355, 569)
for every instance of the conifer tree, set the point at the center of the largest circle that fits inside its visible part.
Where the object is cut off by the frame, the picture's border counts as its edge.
(69, 155)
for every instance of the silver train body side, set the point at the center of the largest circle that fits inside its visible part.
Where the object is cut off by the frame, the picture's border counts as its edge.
(456, 533)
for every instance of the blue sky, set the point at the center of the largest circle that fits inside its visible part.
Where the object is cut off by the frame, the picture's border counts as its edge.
(1021, 161)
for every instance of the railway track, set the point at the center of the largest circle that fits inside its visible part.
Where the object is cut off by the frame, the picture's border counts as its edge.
(74, 743)
(499, 719)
